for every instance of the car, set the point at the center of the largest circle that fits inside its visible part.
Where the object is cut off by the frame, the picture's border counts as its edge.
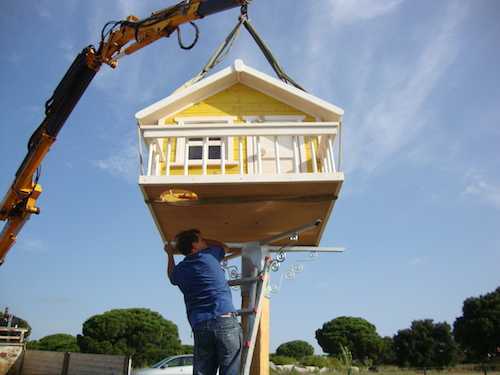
(176, 365)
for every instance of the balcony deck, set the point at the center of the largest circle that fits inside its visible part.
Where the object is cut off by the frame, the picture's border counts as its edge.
(248, 203)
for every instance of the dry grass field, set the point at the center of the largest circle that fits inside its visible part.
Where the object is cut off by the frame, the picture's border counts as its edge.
(469, 370)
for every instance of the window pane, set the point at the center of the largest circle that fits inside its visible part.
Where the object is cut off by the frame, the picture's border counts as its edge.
(195, 152)
(214, 152)
(196, 139)
(188, 361)
(175, 362)
(161, 363)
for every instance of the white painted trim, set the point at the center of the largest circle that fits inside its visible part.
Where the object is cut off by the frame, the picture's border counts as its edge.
(284, 118)
(194, 121)
(290, 249)
(251, 145)
(291, 119)
(303, 157)
(210, 162)
(209, 119)
(153, 215)
(221, 130)
(225, 179)
(250, 156)
(249, 77)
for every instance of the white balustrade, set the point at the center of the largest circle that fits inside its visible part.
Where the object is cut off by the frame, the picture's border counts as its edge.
(277, 155)
(167, 144)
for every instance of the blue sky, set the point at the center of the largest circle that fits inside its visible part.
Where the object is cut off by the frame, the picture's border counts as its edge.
(420, 209)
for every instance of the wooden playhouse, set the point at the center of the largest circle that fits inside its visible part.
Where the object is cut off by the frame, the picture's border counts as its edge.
(241, 156)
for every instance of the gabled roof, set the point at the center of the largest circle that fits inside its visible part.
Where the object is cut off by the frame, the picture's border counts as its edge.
(239, 73)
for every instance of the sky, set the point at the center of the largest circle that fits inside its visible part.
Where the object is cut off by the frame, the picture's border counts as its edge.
(419, 212)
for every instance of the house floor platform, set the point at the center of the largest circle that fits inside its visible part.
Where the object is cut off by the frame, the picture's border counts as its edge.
(243, 209)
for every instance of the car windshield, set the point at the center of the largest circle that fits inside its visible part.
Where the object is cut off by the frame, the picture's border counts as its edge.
(161, 363)
(173, 362)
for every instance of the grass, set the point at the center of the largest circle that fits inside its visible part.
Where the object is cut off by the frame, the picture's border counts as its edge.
(391, 370)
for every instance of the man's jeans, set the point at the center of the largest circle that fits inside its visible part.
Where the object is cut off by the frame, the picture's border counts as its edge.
(217, 345)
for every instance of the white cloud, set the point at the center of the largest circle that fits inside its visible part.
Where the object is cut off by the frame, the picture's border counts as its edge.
(350, 11)
(122, 163)
(68, 48)
(381, 126)
(478, 186)
(417, 261)
(44, 12)
(31, 245)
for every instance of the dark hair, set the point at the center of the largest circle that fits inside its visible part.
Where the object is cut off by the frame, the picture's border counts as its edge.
(185, 239)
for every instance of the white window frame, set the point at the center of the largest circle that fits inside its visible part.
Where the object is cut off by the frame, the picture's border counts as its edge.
(211, 142)
(206, 120)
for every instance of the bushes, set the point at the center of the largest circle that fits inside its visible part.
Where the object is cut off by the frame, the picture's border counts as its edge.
(310, 360)
(282, 360)
(316, 361)
(295, 349)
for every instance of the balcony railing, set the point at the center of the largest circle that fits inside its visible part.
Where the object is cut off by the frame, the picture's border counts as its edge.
(12, 335)
(310, 148)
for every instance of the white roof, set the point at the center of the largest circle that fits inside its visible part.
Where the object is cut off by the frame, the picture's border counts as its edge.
(239, 73)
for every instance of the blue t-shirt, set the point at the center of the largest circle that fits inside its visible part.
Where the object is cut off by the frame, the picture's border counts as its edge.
(203, 283)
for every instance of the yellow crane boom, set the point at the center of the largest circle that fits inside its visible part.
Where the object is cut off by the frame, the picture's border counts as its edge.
(118, 38)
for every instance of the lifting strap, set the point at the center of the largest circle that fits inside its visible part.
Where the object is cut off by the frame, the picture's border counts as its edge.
(226, 45)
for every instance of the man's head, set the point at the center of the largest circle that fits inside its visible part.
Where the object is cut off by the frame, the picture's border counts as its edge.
(190, 241)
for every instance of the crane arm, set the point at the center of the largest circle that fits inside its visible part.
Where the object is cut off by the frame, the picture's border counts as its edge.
(118, 39)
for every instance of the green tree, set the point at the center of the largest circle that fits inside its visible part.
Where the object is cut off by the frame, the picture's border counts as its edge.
(140, 333)
(186, 349)
(296, 349)
(478, 329)
(425, 344)
(387, 356)
(60, 342)
(357, 334)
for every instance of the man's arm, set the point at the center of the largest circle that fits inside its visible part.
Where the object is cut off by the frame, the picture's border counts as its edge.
(222, 245)
(169, 249)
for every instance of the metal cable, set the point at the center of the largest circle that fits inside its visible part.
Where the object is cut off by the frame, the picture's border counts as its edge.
(269, 56)
(196, 37)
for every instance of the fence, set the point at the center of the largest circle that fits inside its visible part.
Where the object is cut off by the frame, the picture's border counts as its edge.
(37, 362)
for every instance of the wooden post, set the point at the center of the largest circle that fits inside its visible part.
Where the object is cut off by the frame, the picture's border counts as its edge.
(260, 362)
(252, 262)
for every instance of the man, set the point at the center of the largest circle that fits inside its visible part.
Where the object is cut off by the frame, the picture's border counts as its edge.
(209, 304)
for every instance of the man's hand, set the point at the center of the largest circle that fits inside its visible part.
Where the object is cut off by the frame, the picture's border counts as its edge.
(168, 248)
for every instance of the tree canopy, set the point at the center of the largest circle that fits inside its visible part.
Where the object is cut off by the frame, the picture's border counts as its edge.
(356, 334)
(140, 333)
(425, 344)
(478, 329)
(296, 349)
(59, 342)
(387, 356)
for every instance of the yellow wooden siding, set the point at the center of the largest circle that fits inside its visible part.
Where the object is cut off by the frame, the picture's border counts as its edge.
(237, 101)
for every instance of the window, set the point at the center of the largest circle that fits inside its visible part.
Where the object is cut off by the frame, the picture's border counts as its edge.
(196, 148)
(188, 361)
(175, 362)
(195, 145)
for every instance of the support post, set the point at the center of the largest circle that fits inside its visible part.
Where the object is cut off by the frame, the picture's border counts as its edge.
(252, 262)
